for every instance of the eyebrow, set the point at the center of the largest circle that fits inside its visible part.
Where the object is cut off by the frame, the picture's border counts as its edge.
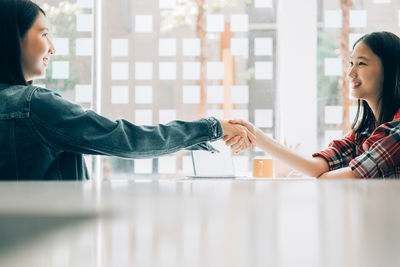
(360, 57)
(44, 29)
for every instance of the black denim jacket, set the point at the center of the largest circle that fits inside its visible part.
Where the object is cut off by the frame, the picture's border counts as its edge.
(43, 136)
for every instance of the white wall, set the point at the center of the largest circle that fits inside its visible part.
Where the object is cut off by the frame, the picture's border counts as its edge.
(297, 73)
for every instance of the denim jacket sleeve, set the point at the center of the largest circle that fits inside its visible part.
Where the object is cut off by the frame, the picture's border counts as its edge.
(65, 126)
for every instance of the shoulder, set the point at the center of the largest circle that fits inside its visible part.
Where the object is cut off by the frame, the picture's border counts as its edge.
(16, 92)
(389, 130)
(38, 93)
(48, 97)
(48, 102)
(16, 100)
(391, 126)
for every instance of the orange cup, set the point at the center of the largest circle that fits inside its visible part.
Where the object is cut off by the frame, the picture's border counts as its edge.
(263, 167)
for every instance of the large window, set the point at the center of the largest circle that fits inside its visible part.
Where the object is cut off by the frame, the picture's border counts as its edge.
(186, 59)
(165, 60)
(341, 24)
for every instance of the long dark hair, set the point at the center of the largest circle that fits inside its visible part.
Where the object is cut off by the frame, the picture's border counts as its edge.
(386, 46)
(16, 18)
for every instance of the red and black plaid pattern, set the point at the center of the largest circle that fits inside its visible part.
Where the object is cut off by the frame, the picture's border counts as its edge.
(373, 153)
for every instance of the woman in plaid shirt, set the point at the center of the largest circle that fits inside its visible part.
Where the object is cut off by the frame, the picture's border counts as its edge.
(372, 147)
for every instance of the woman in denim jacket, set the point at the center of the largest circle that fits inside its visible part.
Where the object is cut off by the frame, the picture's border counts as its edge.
(43, 136)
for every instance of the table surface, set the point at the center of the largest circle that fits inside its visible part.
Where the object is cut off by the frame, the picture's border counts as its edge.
(205, 222)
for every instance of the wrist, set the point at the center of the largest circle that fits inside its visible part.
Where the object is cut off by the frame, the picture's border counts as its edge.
(259, 133)
(223, 125)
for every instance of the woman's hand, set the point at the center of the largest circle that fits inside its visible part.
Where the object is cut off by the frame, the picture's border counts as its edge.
(240, 138)
(230, 140)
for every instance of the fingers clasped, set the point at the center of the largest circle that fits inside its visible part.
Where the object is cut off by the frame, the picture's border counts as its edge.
(241, 136)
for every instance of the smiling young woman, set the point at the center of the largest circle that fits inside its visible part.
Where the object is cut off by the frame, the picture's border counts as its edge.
(44, 137)
(36, 49)
(17, 18)
(372, 147)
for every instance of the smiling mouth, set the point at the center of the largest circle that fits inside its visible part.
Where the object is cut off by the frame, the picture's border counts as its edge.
(46, 61)
(356, 84)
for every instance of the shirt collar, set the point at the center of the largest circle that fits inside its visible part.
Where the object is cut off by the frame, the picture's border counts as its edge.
(371, 128)
(397, 116)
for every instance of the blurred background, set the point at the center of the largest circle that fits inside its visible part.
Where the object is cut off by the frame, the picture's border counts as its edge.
(279, 64)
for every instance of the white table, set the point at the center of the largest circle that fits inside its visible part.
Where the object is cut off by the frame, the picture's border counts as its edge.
(275, 222)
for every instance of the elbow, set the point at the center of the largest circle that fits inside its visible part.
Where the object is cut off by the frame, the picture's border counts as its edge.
(319, 173)
(319, 167)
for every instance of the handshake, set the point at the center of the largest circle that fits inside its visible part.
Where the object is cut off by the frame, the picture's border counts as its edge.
(239, 135)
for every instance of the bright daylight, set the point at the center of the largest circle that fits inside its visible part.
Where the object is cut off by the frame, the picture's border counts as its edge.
(199, 133)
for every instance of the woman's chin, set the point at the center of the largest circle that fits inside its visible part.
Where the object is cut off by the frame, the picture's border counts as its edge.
(355, 94)
(39, 76)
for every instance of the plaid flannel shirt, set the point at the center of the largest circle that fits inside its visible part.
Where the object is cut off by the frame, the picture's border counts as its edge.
(371, 153)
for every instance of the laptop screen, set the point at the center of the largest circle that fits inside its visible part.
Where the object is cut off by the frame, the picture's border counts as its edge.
(206, 164)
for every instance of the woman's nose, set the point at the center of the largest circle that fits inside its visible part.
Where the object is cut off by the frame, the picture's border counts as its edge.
(52, 50)
(351, 73)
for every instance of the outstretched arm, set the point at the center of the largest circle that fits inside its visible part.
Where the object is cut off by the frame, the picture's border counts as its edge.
(312, 166)
(308, 165)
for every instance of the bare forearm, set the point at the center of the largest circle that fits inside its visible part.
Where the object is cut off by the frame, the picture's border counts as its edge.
(310, 166)
(339, 173)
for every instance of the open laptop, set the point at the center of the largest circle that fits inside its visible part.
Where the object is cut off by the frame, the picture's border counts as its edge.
(213, 165)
